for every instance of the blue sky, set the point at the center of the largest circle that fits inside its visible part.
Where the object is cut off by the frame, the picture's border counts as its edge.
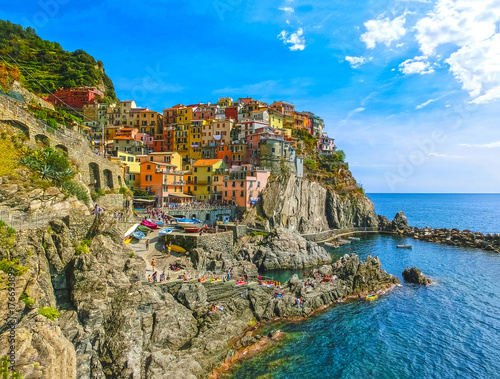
(410, 90)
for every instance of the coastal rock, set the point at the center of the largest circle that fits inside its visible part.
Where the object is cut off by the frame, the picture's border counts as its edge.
(414, 275)
(400, 222)
(304, 206)
(284, 250)
(384, 224)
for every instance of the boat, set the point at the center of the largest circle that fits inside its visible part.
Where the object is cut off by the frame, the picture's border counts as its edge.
(404, 246)
(149, 224)
(144, 229)
(139, 235)
(355, 238)
(177, 249)
(329, 244)
(165, 231)
(194, 229)
(190, 225)
(159, 223)
(131, 230)
(128, 240)
(371, 297)
(186, 220)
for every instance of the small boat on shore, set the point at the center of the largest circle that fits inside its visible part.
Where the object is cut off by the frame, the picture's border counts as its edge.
(139, 235)
(371, 297)
(131, 230)
(186, 220)
(149, 224)
(193, 229)
(189, 225)
(355, 238)
(404, 246)
(165, 231)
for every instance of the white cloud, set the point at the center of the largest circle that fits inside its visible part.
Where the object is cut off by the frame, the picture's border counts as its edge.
(491, 145)
(287, 9)
(437, 155)
(423, 105)
(417, 65)
(296, 40)
(383, 30)
(355, 62)
(472, 27)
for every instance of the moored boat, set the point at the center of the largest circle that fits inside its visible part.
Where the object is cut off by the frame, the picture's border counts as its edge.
(191, 225)
(404, 246)
(371, 297)
(355, 238)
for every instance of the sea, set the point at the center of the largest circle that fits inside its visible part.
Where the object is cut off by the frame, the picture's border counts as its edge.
(447, 330)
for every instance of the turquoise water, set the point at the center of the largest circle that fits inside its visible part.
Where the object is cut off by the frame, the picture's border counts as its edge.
(448, 330)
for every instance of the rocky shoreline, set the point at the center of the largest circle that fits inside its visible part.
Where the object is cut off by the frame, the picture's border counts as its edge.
(451, 237)
(113, 324)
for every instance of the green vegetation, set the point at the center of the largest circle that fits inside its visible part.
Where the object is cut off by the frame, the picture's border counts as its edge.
(48, 63)
(12, 266)
(132, 255)
(83, 247)
(52, 118)
(311, 164)
(142, 194)
(7, 237)
(73, 188)
(310, 142)
(6, 373)
(265, 234)
(9, 159)
(96, 195)
(49, 164)
(26, 300)
(49, 312)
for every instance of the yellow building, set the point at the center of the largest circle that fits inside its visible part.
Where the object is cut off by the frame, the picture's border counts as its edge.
(225, 102)
(170, 157)
(133, 169)
(202, 181)
(195, 140)
(275, 119)
(182, 132)
(217, 130)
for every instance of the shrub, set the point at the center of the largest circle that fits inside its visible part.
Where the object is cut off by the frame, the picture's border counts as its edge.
(101, 192)
(265, 234)
(49, 312)
(13, 265)
(83, 247)
(26, 300)
(49, 163)
(123, 190)
(73, 188)
(132, 255)
(52, 123)
(311, 164)
(6, 372)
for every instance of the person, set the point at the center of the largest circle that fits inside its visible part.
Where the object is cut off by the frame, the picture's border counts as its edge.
(216, 228)
(169, 248)
(147, 244)
(163, 248)
(162, 276)
(153, 262)
(155, 276)
(228, 275)
(150, 279)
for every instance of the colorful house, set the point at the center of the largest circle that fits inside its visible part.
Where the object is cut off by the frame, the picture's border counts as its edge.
(202, 179)
(243, 185)
(75, 97)
(163, 181)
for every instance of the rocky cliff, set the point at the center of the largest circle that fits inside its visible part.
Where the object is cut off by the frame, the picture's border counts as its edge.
(112, 324)
(299, 204)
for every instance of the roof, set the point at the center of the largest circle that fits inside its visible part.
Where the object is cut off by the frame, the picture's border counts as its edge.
(159, 163)
(206, 162)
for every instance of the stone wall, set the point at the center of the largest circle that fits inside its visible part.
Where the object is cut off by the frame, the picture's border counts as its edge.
(30, 97)
(222, 241)
(112, 202)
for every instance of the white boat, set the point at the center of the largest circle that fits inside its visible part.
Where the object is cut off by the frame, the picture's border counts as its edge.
(165, 231)
(189, 225)
(355, 238)
(131, 230)
(404, 246)
(329, 244)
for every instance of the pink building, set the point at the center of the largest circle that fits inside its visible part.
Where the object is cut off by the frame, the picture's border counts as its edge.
(244, 185)
(326, 145)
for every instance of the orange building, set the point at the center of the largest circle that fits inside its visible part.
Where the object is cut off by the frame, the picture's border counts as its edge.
(163, 181)
(244, 185)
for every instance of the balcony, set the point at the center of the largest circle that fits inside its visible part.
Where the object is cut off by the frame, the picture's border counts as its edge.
(181, 183)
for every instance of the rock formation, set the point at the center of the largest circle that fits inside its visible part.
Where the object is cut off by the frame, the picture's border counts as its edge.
(414, 275)
(283, 249)
(112, 324)
(305, 206)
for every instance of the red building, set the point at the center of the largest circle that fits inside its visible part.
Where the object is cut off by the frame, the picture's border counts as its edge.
(75, 97)
(231, 112)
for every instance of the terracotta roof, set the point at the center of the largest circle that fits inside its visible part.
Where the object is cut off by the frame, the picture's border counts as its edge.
(206, 162)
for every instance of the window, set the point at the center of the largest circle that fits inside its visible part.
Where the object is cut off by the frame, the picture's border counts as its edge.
(242, 183)
(234, 193)
(195, 188)
(148, 167)
(225, 184)
(189, 189)
(149, 178)
(241, 194)
(130, 159)
(148, 189)
(208, 188)
(196, 169)
(258, 184)
(208, 169)
(273, 150)
(151, 159)
(225, 193)
(215, 188)
(216, 178)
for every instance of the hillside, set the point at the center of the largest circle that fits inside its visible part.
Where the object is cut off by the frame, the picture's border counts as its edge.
(48, 63)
